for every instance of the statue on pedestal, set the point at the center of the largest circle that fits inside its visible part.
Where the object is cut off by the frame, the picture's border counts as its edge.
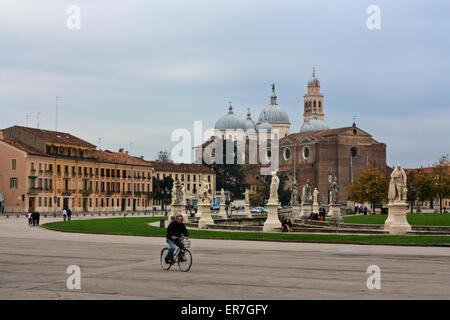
(178, 194)
(397, 185)
(306, 193)
(247, 198)
(294, 196)
(334, 192)
(315, 197)
(274, 188)
(204, 196)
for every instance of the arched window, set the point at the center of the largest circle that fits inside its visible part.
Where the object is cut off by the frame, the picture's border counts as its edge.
(320, 105)
(314, 105)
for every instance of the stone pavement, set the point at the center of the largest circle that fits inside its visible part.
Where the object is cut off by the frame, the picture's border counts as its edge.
(33, 263)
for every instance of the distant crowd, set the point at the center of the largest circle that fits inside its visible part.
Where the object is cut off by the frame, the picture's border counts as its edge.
(33, 218)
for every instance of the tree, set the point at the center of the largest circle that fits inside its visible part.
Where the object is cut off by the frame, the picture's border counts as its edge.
(424, 187)
(259, 194)
(162, 190)
(371, 186)
(230, 177)
(411, 186)
(284, 194)
(441, 178)
(163, 156)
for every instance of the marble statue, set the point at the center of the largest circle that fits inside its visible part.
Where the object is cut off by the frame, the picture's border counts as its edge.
(397, 185)
(294, 196)
(274, 188)
(316, 196)
(334, 192)
(247, 198)
(183, 195)
(306, 192)
(204, 195)
(178, 194)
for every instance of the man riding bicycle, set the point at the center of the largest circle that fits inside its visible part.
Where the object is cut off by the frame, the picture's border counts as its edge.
(174, 231)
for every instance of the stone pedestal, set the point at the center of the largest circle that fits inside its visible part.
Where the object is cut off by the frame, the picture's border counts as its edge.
(295, 212)
(222, 213)
(247, 212)
(305, 211)
(315, 208)
(396, 222)
(205, 215)
(272, 221)
(335, 214)
(179, 209)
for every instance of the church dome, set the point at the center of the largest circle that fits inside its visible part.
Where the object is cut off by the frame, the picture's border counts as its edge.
(229, 121)
(314, 125)
(249, 124)
(273, 112)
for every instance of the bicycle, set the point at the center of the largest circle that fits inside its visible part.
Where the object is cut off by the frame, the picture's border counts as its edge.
(185, 264)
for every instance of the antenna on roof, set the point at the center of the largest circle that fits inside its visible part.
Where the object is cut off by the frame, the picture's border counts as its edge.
(27, 117)
(38, 114)
(56, 113)
(131, 148)
(354, 121)
(99, 142)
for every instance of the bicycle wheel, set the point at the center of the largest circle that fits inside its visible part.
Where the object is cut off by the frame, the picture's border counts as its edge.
(185, 265)
(164, 265)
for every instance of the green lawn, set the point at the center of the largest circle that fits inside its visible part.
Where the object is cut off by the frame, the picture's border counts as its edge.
(414, 219)
(140, 227)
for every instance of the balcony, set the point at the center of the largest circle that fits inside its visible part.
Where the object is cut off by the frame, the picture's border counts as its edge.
(33, 191)
(68, 192)
(86, 192)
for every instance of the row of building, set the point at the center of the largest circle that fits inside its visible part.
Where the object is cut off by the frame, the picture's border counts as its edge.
(47, 170)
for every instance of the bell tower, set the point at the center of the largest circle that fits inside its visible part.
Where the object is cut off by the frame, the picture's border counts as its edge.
(313, 100)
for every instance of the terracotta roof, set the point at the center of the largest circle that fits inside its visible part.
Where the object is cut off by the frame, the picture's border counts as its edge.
(121, 158)
(57, 137)
(321, 134)
(180, 167)
(16, 143)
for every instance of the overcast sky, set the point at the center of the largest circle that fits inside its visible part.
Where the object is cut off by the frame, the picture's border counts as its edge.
(137, 70)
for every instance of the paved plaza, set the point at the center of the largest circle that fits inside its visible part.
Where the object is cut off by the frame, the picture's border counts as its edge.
(33, 263)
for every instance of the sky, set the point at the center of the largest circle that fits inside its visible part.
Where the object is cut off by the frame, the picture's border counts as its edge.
(137, 70)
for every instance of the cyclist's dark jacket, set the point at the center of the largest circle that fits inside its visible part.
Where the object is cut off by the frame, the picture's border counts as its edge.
(176, 229)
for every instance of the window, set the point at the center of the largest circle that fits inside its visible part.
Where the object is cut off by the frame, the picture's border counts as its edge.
(306, 152)
(287, 153)
(13, 164)
(13, 183)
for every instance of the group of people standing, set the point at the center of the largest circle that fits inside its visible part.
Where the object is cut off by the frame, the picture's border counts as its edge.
(318, 215)
(33, 218)
(359, 209)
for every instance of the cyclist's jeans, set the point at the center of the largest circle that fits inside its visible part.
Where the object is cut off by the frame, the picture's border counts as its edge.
(172, 244)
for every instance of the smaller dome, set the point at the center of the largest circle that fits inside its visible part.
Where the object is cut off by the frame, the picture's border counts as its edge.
(249, 124)
(313, 81)
(229, 121)
(314, 125)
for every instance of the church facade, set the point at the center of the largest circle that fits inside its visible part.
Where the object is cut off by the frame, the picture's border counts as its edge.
(316, 154)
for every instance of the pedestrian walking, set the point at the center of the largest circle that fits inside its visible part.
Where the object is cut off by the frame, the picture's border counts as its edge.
(365, 211)
(64, 213)
(37, 218)
(69, 214)
(30, 222)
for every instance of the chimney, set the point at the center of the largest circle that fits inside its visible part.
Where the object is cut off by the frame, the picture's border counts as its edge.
(126, 152)
(142, 157)
(121, 150)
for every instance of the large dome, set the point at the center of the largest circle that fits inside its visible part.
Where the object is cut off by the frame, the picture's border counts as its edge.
(314, 125)
(273, 112)
(229, 121)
